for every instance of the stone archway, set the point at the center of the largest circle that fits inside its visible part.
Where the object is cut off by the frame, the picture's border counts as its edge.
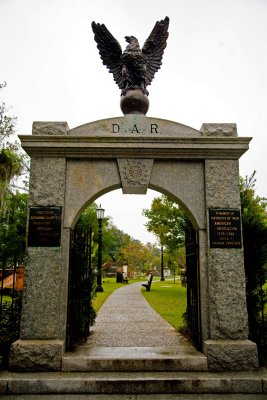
(70, 168)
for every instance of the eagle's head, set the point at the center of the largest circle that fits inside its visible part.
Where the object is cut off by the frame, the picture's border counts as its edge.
(133, 43)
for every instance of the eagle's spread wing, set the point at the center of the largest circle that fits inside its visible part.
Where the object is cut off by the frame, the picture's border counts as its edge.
(153, 48)
(109, 50)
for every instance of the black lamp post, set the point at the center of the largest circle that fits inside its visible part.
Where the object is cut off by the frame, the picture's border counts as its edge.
(162, 264)
(100, 215)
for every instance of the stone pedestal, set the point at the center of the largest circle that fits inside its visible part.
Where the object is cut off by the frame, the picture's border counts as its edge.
(36, 355)
(231, 355)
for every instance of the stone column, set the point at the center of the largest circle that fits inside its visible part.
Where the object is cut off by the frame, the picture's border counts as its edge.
(227, 347)
(43, 322)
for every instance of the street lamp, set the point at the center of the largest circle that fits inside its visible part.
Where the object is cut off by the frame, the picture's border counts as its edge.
(100, 215)
(162, 264)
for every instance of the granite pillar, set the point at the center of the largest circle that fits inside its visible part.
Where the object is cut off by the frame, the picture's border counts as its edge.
(41, 343)
(227, 346)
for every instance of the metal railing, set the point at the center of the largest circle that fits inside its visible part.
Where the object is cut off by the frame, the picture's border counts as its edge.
(11, 286)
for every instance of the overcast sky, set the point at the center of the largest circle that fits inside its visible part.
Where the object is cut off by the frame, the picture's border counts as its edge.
(214, 70)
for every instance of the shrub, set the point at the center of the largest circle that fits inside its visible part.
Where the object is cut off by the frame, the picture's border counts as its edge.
(9, 326)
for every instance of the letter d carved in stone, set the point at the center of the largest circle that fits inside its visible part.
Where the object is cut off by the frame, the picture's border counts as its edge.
(115, 128)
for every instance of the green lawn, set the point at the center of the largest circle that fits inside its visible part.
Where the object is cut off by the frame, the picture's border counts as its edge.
(6, 299)
(169, 300)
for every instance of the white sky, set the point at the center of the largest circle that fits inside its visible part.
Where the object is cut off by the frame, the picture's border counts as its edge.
(214, 70)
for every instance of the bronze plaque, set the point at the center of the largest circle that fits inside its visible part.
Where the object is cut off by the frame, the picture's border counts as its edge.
(44, 227)
(225, 228)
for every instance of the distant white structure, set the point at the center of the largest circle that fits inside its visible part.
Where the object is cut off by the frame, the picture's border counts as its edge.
(125, 271)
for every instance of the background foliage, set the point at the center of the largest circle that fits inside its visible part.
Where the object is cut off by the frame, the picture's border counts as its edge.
(168, 222)
(254, 221)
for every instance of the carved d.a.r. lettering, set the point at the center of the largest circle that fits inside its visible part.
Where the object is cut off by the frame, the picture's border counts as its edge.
(153, 128)
(116, 128)
(135, 129)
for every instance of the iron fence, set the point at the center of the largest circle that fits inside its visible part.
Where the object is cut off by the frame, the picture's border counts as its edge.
(193, 292)
(81, 288)
(11, 286)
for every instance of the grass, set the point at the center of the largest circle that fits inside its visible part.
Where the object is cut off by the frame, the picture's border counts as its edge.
(6, 299)
(169, 300)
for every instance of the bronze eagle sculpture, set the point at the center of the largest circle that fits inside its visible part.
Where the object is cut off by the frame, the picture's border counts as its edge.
(134, 68)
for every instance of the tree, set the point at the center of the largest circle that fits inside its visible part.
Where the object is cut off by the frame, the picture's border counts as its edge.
(115, 240)
(254, 222)
(139, 257)
(13, 160)
(168, 222)
(13, 229)
(87, 220)
(13, 217)
(118, 247)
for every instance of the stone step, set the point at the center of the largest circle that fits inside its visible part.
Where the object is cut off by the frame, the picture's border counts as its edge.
(127, 359)
(216, 396)
(133, 383)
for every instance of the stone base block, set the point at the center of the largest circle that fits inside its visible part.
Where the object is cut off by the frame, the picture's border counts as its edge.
(36, 355)
(231, 355)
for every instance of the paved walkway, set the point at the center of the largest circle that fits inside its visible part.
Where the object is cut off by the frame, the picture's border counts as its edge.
(127, 320)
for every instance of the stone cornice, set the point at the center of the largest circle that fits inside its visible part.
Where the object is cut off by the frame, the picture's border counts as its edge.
(108, 147)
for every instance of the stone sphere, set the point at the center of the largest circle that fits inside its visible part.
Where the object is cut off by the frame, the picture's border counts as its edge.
(134, 102)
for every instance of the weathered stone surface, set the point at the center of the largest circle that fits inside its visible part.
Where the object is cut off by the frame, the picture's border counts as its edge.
(231, 355)
(219, 130)
(222, 184)
(49, 128)
(265, 385)
(227, 299)
(184, 182)
(36, 355)
(136, 146)
(236, 396)
(64, 279)
(135, 175)
(135, 383)
(47, 182)
(41, 299)
(85, 181)
(134, 125)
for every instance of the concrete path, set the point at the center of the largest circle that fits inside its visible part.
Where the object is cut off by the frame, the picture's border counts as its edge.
(130, 336)
(127, 320)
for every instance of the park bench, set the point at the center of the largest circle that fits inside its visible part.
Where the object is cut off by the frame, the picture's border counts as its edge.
(148, 284)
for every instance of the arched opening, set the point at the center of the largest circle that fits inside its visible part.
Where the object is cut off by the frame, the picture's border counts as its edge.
(81, 274)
